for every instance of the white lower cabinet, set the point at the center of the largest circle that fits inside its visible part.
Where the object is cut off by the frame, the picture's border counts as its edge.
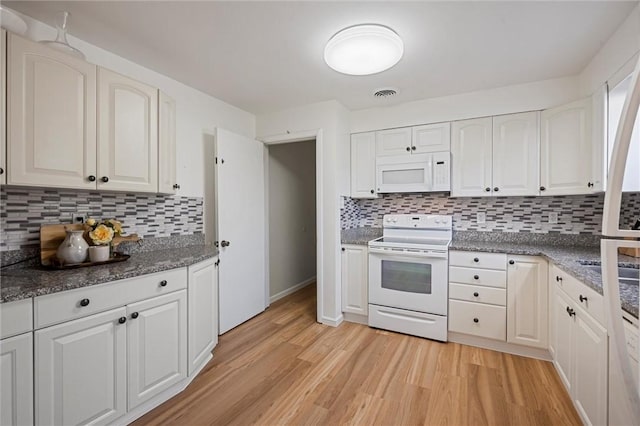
(203, 312)
(355, 279)
(16, 380)
(156, 345)
(81, 370)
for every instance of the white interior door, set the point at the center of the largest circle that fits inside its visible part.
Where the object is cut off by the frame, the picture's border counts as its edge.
(240, 205)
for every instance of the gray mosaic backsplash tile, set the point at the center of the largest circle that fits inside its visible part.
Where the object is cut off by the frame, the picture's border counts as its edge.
(577, 214)
(24, 210)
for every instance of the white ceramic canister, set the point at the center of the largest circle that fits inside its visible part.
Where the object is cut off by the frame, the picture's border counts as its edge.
(74, 248)
(99, 253)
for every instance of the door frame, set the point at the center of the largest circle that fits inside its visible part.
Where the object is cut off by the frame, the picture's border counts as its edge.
(292, 137)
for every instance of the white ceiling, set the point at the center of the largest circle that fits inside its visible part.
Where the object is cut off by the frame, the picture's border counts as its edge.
(266, 56)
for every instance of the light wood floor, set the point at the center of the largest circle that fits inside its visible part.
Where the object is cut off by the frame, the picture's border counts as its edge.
(284, 368)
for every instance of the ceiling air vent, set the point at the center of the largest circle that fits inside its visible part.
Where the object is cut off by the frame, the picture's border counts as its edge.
(385, 93)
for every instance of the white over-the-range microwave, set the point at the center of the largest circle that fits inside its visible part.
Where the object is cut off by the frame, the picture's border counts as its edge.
(430, 172)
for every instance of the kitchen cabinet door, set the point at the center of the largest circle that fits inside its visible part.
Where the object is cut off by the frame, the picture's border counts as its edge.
(127, 135)
(393, 142)
(203, 312)
(563, 331)
(167, 183)
(51, 117)
(566, 149)
(590, 360)
(81, 370)
(471, 161)
(355, 295)
(3, 108)
(527, 301)
(516, 154)
(16, 380)
(363, 165)
(431, 138)
(157, 345)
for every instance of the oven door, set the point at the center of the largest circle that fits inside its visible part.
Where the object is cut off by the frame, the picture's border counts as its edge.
(409, 280)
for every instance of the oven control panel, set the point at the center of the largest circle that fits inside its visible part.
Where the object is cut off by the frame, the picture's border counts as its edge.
(417, 221)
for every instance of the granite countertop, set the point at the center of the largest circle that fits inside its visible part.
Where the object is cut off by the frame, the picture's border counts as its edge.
(567, 252)
(22, 283)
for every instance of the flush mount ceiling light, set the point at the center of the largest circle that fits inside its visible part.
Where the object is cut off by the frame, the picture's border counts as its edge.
(363, 49)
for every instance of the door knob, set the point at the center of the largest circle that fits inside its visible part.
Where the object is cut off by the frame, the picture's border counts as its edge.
(224, 243)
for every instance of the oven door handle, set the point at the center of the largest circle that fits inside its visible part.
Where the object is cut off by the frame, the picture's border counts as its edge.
(427, 254)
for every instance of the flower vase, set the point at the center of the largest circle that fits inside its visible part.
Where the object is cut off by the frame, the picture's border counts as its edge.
(73, 249)
(99, 253)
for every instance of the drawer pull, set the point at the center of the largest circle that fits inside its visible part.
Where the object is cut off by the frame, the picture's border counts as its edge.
(571, 312)
(476, 294)
(512, 262)
(122, 320)
(558, 278)
(583, 298)
(84, 302)
(476, 320)
(163, 283)
(475, 259)
(134, 315)
(476, 277)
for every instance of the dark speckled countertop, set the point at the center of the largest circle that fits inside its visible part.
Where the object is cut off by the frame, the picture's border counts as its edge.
(564, 251)
(22, 283)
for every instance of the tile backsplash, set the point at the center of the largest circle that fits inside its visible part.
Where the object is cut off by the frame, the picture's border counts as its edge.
(24, 210)
(577, 214)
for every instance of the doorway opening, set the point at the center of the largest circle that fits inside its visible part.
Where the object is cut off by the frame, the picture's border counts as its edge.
(290, 189)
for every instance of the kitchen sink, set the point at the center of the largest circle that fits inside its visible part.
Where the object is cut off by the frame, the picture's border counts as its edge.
(626, 275)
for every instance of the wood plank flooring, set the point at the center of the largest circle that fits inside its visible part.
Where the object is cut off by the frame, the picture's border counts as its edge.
(284, 368)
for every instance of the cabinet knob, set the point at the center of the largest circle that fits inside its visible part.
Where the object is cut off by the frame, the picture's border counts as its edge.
(496, 189)
(84, 302)
(590, 184)
(373, 192)
(571, 312)
(487, 189)
(512, 262)
(476, 294)
(91, 178)
(408, 149)
(1, 171)
(476, 320)
(134, 315)
(122, 320)
(475, 259)
(342, 249)
(476, 277)
(413, 148)
(163, 283)
(583, 298)
(542, 188)
(558, 278)
(105, 179)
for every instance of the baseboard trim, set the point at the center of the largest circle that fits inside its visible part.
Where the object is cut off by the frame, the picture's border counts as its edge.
(291, 290)
(510, 348)
(359, 319)
(333, 322)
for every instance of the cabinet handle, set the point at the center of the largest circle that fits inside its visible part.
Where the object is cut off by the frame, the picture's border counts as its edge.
(163, 283)
(105, 179)
(217, 263)
(475, 259)
(542, 188)
(590, 184)
(408, 149)
(496, 189)
(476, 277)
(512, 262)
(487, 189)
(373, 192)
(84, 302)
(134, 315)
(571, 312)
(476, 320)
(476, 294)
(91, 178)
(583, 298)
(122, 320)
(558, 278)
(413, 148)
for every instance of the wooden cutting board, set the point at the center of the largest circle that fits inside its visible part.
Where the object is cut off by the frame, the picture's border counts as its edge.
(51, 236)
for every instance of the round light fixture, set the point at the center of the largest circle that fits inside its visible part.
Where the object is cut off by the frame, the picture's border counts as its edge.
(363, 49)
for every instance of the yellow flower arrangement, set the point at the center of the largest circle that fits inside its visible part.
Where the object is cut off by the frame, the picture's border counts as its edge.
(102, 233)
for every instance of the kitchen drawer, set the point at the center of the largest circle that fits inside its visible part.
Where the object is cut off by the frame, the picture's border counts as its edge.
(408, 322)
(481, 277)
(474, 259)
(584, 296)
(478, 319)
(16, 317)
(66, 305)
(490, 295)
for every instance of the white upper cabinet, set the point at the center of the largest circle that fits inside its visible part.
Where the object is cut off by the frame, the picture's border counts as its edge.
(516, 154)
(51, 117)
(127, 134)
(431, 138)
(3, 109)
(566, 149)
(167, 145)
(471, 142)
(363, 165)
(393, 142)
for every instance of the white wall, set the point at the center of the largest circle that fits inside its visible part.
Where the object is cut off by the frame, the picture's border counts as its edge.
(196, 112)
(292, 215)
(504, 100)
(332, 118)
